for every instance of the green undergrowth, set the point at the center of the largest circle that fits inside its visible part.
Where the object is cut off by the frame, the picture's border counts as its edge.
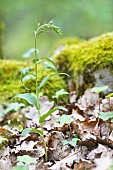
(86, 57)
(10, 83)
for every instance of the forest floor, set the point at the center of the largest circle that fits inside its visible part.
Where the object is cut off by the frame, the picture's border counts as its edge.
(76, 140)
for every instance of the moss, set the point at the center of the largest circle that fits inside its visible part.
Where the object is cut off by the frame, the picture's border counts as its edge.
(95, 54)
(59, 53)
(67, 41)
(11, 85)
(83, 59)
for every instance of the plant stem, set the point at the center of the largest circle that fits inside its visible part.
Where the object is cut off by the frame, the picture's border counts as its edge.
(43, 140)
(99, 101)
(36, 67)
(36, 84)
(36, 73)
(109, 104)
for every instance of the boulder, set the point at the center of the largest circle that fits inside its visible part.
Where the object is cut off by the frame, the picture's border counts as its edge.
(89, 63)
(62, 61)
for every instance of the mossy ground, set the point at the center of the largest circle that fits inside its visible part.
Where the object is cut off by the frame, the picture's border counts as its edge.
(86, 57)
(10, 83)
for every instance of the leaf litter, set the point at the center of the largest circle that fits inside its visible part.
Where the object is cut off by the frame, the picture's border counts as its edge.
(76, 140)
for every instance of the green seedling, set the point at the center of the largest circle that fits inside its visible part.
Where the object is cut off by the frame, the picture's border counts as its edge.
(13, 107)
(98, 90)
(29, 130)
(71, 142)
(34, 99)
(60, 93)
(106, 116)
(64, 119)
(26, 159)
(108, 97)
(21, 167)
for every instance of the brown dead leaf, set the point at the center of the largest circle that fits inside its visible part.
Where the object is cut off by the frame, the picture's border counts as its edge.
(103, 163)
(100, 151)
(5, 151)
(42, 165)
(31, 148)
(89, 125)
(83, 165)
(67, 162)
(57, 150)
(77, 116)
(111, 136)
(5, 163)
(88, 142)
(88, 99)
(54, 138)
(105, 129)
(4, 132)
(72, 97)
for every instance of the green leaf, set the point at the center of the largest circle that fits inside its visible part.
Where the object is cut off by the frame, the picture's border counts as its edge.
(109, 95)
(20, 128)
(13, 107)
(25, 70)
(26, 159)
(64, 119)
(47, 77)
(64, 74)
(71, 142)
(59, 93)
(105, 115)
(29, 98)
(50, 25)
(28, 77)
(25, 132)
(112, 120)
(99, 89)
(39, 61)
(40, 132)
(29, 53)
(22, 167)
(50, 64)
(75, 135)
(2, 139)
(44, 116)
(29, 130)
(43, 82)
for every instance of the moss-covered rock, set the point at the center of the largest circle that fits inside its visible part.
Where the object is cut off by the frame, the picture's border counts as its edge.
(59, 47)
(62, 61)
(83, 61)
(10, 83)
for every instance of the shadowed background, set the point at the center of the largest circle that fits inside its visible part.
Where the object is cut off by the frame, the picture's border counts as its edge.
(84, 19)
